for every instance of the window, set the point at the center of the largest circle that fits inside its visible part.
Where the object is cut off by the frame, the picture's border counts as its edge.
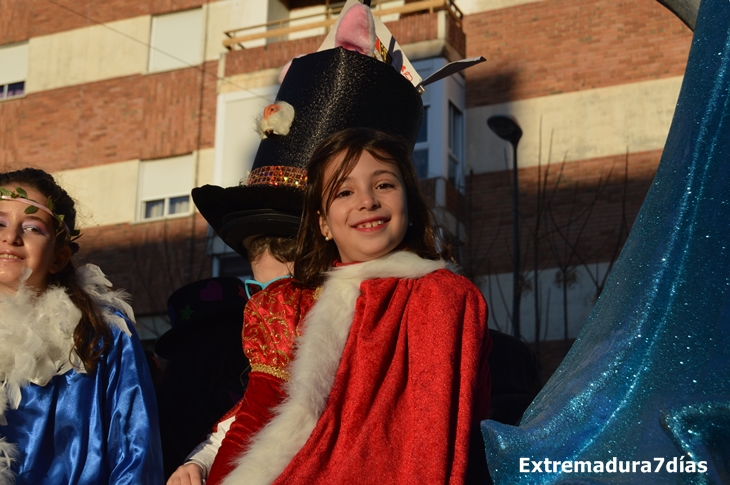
(164, 187)
(12, 90)
(420, 151)
(456, 143)
(176, 40)
(13, 70)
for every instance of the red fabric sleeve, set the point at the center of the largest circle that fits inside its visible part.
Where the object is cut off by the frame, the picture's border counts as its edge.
(254, 411)
(270, 325)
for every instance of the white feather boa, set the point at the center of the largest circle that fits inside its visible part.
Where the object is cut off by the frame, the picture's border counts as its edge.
(36, 340)
(317, 357)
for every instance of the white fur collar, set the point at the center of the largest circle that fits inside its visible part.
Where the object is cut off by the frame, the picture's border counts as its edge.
(317, 357)
(36, 340)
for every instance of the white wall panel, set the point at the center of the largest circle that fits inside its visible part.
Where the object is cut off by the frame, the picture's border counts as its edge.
(13, 63)
(88, 54)
(176, 40)
(583, 124)
(474, 6)
(104, 194)
(206, 164)
(221, 17)
(236, 139)
(248, 13)
(167, 177)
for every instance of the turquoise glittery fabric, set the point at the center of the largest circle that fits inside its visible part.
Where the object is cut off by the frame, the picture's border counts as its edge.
(649, 376)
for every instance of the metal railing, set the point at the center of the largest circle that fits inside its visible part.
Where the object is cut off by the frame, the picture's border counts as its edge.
(280, 28)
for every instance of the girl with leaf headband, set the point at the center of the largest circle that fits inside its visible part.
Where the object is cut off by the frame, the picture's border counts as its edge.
(76, 399)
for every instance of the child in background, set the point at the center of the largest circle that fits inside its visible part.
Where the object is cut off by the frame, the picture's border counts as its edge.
(390, 374)
(207, 365)
(76, 399)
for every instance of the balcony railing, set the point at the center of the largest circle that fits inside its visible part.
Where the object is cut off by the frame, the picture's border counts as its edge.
(281, 28)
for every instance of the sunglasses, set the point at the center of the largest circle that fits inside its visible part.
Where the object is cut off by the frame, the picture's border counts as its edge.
(253, 286)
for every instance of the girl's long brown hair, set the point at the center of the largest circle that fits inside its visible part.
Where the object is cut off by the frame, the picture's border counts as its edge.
(92, 335)
(315, 255)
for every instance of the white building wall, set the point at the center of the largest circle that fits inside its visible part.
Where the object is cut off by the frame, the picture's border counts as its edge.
(474, 6)
(104, 194)
(107, 194)
(88, 54)
(120, 48)
(582, 125)
(236, 139)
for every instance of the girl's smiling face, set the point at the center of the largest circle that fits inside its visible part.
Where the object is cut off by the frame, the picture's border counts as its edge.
(368, 217)
(27, 241)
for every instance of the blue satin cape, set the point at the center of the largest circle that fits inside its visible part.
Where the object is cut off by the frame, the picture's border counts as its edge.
(91, 429)
(649, 376)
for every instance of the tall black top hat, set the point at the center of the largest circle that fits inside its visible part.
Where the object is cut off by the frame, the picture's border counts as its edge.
(329, 90)
(199, 310)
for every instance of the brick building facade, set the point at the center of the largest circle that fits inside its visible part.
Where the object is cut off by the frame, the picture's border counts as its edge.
(108, 105)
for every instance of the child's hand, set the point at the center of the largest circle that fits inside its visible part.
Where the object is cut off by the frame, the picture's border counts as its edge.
(187, 474)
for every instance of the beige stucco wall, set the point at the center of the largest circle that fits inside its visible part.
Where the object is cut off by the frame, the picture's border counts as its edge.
(106, 51)
(219, 20)
(107, 194)
(117, 49)
(231, 14)
(206, 161)
(250, 80)
(88, 54)
(474, 6)
(583, 124)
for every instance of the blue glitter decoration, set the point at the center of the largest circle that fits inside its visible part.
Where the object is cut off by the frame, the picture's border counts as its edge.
(648, 379)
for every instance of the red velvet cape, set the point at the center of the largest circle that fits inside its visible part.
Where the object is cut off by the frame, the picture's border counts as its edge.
(406, 393)
(412, 382)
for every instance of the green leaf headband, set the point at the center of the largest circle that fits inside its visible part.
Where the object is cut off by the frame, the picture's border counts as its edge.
(20, 195)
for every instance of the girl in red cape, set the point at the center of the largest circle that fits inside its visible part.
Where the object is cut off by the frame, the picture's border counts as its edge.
(370, 365)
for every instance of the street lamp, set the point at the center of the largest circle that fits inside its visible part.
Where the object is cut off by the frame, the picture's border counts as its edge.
(506, 128)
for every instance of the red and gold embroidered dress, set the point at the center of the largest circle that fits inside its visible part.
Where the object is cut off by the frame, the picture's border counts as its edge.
(271, 323)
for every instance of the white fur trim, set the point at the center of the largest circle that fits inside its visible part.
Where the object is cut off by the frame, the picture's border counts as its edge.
(317, 357)
(98, 287)
(8, 453)
(36, 339)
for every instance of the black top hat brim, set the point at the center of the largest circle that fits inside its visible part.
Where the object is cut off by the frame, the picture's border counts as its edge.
(245, 211)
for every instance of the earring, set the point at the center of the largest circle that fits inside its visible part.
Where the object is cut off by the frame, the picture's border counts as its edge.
(326, 238)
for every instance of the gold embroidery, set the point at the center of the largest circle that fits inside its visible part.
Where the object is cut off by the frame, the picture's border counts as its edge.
(271, 325)
(317, 293)
(274, 371)
(279, 175)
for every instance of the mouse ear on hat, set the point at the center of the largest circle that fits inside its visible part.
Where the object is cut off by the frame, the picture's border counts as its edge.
(356, 30)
